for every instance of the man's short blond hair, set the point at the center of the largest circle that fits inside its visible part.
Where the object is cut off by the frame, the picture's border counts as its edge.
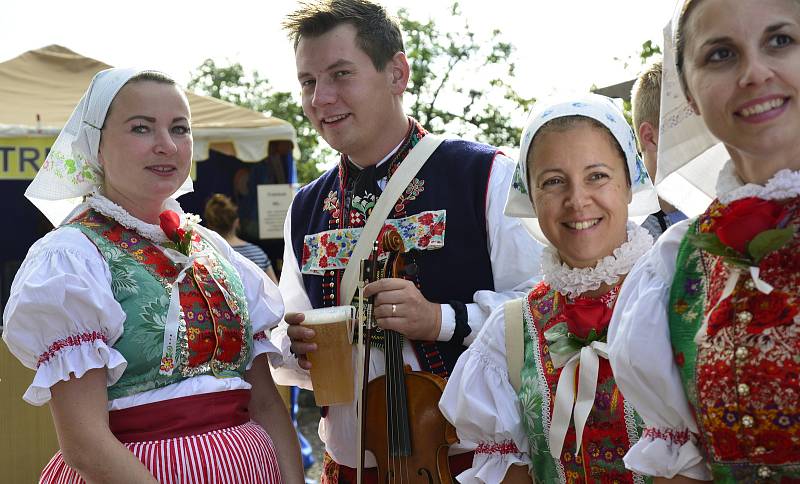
(646, 98)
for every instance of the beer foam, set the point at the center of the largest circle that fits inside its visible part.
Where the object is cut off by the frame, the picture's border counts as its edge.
(328, 315)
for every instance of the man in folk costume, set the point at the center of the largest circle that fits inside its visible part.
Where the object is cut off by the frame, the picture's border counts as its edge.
(353, 72)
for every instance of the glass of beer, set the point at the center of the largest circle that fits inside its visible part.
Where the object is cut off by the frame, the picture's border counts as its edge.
(332, 363)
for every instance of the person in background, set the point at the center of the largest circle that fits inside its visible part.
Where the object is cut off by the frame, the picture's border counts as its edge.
(578, 171)
(352, 72)
(706, 339)
(221, 215)
(146, 331)
(645, 105)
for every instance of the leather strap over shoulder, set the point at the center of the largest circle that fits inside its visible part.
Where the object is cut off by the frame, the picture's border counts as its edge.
(410, 166)
(515, 341)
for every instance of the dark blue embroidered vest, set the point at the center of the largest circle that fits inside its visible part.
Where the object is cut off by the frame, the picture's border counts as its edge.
(455, 179)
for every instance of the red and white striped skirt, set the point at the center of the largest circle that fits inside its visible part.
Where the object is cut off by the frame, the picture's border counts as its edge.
(237, 455)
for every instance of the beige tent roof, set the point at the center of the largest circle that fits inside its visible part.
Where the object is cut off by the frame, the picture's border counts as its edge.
(49, 82)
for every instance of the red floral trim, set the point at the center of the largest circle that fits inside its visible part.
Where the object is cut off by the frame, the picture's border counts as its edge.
(260, 336)
(674, 437)
(76, 340)
(503, 448)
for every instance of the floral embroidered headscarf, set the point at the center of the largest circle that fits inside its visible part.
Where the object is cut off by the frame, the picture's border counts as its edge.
(603, 110)
(72, 170)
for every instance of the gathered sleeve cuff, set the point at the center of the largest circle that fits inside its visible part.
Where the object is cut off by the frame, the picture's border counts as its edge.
(483, 406)
(61, 319)
(264, 301)
(641, 356)
(667, 452)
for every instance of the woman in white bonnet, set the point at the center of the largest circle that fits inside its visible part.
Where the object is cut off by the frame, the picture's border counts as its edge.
(706, 338)
(578, 179)
(146, 332)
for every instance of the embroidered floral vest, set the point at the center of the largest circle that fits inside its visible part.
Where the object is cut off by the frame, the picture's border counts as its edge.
(213, 338)
(612, 428)
(441, 215)
(743, 378)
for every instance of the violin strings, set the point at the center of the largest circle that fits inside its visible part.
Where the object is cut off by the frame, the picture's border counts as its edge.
(391, 421)
(401, 403)
(404, 410)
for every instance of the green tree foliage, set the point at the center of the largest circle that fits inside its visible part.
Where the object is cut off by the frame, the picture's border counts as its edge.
(460, 83)
(649, 49)
(232, 84)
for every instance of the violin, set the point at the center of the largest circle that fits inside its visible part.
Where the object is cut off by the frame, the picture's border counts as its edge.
(402, 424)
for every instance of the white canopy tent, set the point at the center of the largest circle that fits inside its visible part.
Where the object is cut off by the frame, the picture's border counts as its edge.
(40, 88)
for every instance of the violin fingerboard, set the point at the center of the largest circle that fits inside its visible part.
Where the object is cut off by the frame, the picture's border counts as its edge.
(396, 397)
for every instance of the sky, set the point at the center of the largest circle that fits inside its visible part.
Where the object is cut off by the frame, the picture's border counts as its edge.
(562, 46)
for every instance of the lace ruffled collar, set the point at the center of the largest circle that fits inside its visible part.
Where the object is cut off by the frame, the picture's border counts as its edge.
(573, 282)
(784, 184)
(152, 232)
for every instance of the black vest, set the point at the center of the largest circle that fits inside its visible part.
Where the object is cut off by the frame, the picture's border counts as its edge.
(455, 178)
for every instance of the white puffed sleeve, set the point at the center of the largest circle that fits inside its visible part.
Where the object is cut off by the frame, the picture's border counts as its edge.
(264, 302)
(644, 366)
(483, 406)
(61, 317)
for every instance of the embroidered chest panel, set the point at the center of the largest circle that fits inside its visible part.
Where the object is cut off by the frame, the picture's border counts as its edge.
(612, 427)
(355, 211)
(361, 207)
(214, 335)
(741, 369)
(331, 250)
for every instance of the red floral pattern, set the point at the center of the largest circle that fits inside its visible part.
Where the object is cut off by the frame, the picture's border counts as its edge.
(68, 342)
(607, 435)
(502, 448)
(720, 317)
(332, 249)
(215, 338)
(770, 310)
(743, 378)
(673, 436)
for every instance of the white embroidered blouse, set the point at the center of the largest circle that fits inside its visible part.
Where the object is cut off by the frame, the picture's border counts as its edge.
(63, 291)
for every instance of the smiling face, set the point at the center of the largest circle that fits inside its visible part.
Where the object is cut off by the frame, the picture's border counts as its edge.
(580, 190)
(145, 146)
(742, 72)
(356, 108)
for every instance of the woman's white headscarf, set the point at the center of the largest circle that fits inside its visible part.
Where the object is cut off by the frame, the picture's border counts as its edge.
(603, 110)
(72, 169)
(689, 156)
